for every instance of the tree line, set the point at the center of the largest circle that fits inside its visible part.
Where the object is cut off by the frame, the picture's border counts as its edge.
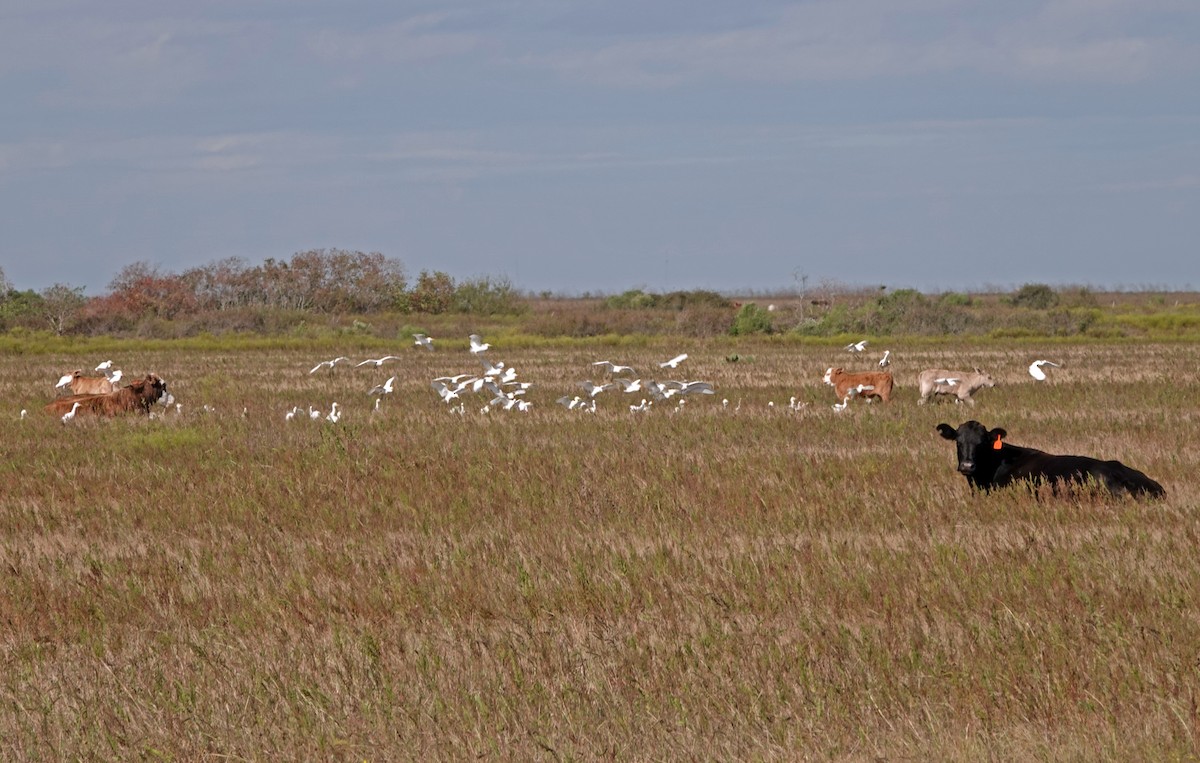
(324, 281)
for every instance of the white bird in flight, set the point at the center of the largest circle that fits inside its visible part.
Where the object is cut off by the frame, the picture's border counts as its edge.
(673, 362)
(629, 385)
(884, 362)
(423, 341)
(377, 361)
(387, 388)
(71, 413)
(856, 346)
(595, 389)
(478, 345)
(1035, 369)
(327, 364)
(104, 366)
(613, 368)
(114, 376)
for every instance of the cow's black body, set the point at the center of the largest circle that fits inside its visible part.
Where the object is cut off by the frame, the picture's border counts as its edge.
(985, 466)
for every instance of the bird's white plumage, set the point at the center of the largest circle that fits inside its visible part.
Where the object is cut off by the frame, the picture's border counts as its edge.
(66, 417)
(1035, 369)
(423, 341)
(674, 362)
(478, 345)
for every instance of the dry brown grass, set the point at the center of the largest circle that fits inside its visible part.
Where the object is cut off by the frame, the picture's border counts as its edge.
(711, 583)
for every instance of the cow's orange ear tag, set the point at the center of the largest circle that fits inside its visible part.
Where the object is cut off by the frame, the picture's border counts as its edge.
(997, 444)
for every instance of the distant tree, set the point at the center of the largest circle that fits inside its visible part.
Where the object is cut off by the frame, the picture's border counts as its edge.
(433, 293)
(141, 290)
(60, 305)
(751, 319)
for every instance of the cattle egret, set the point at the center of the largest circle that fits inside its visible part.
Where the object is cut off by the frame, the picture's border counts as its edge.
(839, 407)
(423, 341)
(947, 380)
(642, 406)
(327, 364)
(66, 379)
(695, 387)
(377, 362)
(71, 413)
(1035, 369)
(384, 389)
(24, 413)
(884, 362)
(291, 414)
(630, 385)
(104, 366)
(673, 362)
(595, 389)
(378, 400)
(856, 346)
(335, 413)
(115, 376)
(313, 413)
(445, 393)
(613, 368)
(477, 344)
(725, 403)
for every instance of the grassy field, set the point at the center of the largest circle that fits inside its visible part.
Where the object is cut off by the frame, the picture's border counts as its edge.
(711, 582)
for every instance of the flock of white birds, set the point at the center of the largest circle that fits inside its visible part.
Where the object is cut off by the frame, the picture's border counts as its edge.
(498, 387)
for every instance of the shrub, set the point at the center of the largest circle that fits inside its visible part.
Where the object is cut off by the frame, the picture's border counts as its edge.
(1038, 296)
(751, 319)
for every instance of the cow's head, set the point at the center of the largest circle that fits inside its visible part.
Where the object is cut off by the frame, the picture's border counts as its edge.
(975, 443)
(829, 372)
(149, 390)
(984, 379)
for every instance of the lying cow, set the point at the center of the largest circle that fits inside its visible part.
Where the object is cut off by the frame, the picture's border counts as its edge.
(90, 385)
(868, 384)
(138, 397)
(961, 384)
(988, 462)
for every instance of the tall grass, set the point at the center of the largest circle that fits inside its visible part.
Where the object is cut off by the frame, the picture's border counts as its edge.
(738, 582)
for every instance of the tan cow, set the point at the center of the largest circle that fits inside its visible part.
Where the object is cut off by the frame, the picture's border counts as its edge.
(138, 397)
(868, 384)
(90, 385)
(961, 384)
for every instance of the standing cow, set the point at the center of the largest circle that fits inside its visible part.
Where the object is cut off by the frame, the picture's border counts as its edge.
(868, 384)
(961, 384)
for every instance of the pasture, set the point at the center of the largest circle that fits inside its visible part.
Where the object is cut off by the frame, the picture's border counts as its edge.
(741, 582)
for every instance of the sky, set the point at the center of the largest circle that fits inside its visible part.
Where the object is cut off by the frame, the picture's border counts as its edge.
(595, 146)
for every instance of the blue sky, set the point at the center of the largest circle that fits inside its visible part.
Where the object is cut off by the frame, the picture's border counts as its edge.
(600, 146)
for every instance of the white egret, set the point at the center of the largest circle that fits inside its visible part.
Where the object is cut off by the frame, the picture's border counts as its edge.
(858, 346)
(114, 376)
(629, 385)
(1035, 369)
(642, 406)
(71, 413)
(884, 362)
(313, 413)
(839, 407)
(673, 362)
(613, 368)
(594, 389)
(66, 379)
(328, 364)
(104, 366)
(384, 389)
(423, 341)
(291, 414)
(376, 361)
(335, 413)
(24, 413)
(478, 345)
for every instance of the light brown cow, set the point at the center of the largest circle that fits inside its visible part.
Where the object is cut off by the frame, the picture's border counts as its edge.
(961, 384)
(866, 384)
(90, 385)
(136, 398)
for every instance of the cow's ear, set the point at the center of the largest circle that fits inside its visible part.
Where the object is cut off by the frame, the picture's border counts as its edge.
(947, 431)
(997, 434)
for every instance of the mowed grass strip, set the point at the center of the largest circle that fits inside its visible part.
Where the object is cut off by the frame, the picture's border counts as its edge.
(740, 581)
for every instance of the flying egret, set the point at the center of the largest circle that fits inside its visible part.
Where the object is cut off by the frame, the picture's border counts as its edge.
(673, 362)
(613, 368)
(1035, 369)
(949, 381)
(884, 362)
(104, 366)
(71, 413)
(376, 361)
(445, 392)
(478, 345)
(328, 364)
(858, 346)
(697, 387)
(384, 389)
(629, 385)
(595, 389)
(423, 341)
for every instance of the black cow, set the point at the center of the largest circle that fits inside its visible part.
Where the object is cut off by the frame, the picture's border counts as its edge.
(987, 462)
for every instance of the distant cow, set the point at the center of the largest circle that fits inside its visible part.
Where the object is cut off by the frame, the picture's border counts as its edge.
(961, 384)
(138, 397)
(988, 462)
(873, 383)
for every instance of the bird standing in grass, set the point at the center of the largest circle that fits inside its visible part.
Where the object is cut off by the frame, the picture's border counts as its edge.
(884, 362)
(69, 415)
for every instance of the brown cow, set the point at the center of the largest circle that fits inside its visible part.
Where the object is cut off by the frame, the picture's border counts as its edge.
(136, 398)
(90, 385)
(867, 384)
